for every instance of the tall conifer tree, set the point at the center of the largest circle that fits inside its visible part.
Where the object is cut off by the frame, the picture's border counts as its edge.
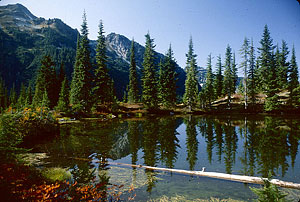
(133, 93)
(167, 79)
(191, 83)
(265, 58)
(218, 81)
(45, 81)
(102, 89)
(234, 74)
(209, 89)
(81, 81)
(149, 95)
(294, 87)
(245, 52)
(63, 101)
(252, 74)
(22, 97)
(228, 76)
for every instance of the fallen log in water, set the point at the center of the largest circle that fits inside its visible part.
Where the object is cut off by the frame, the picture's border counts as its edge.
(224, 176)
(237, 178)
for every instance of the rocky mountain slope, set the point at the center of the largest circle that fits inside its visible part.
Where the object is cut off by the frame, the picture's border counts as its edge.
(25, 38)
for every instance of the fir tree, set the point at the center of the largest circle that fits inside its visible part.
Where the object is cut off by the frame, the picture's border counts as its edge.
(149, 95)
(228, 76)
(252, 77)
(13, 96)
(29, 96)
(218, 81)
(81, 86)
(22, 97)
(272, 87)
(101, 90)
(234, 74)
(63, 101)
(209, 89)
(282, 65)
(133, 93)
(265, 58)
(167, 80)
(191, 86)
(294, 87)
(245, 52)
(191, 83)
(45, 82)
(3, 95)
(45, 101)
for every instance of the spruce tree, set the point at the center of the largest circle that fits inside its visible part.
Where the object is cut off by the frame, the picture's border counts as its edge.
(294, 87)
(234, 74)
(3, 95)
(282, 65)
(252, 75)
(167, 80)
(45, 104)
(191, 83)
(191, 86)
(265, 58)
(209, 89)
(272, 86)
(101, 90)
(218, 81)
(63, 101)
(13, 97)
(45, 81)
(29, 96)
(245, 52)
(133, 91)
(22, 97)
(81, 81)
(149, 96)
(228, 76)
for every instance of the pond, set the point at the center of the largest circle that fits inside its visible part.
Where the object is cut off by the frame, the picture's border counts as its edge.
(245, 145)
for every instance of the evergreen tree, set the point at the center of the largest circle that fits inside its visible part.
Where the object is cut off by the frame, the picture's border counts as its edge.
(218, 81)
(81, 86)
(149, 95)
(191, 83)
(252, 77)
(102, 89)
(46, 81)
(282, 65)
(133, 93)
(209, 89)
(63, 101)
(13, 96)
(45, 101)
(265, 58)
(228, 76)
(167, 80)
(29, 96)
(245, 52)
(22, 97)
(294, 87)
(272, 86)
(3, 95)
(234, 74)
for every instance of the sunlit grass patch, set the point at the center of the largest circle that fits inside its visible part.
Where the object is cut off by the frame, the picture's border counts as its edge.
(56, 174)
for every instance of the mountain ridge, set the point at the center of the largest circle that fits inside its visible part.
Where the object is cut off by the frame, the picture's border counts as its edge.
(25, 38)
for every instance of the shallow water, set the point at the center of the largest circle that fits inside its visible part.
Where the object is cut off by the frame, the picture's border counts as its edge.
(252, 145)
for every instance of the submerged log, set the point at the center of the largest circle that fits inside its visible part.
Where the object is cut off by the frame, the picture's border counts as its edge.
(231, 177)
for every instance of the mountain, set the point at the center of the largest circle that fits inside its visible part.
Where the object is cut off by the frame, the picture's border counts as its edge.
(25, 38)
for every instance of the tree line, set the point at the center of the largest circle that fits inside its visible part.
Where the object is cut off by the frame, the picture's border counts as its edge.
(268, 73)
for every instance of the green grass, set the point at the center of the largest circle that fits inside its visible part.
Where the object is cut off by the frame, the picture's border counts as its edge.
(56, 174)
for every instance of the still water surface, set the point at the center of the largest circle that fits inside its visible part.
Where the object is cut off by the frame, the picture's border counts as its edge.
(252, 145)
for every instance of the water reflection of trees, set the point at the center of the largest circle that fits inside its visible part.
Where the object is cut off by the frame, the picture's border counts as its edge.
(191, 141)
(267, 143)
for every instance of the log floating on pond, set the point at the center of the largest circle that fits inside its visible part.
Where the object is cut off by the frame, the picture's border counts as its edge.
(231, 177)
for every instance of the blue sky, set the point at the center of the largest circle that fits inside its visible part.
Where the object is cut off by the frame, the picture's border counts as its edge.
(212, 23)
